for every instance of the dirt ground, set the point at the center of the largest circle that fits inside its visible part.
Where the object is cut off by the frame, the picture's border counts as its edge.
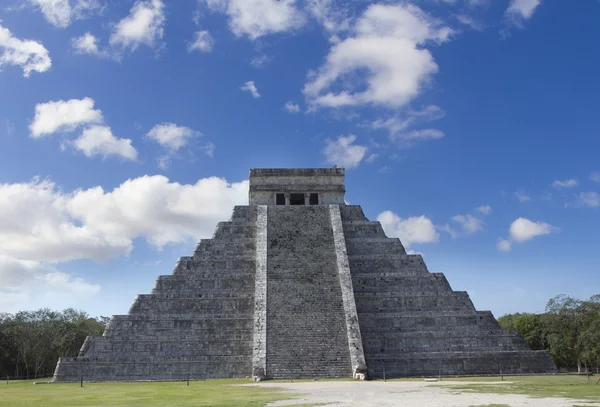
(413, 393)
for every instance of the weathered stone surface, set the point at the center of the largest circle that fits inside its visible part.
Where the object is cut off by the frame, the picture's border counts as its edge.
(306, 326)
(302, 291)
(413, 324)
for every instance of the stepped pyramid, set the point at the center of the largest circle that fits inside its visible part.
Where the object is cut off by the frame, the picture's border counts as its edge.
(300, 285)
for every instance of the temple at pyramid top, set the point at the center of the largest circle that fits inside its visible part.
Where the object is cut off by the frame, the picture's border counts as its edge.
(297, 186)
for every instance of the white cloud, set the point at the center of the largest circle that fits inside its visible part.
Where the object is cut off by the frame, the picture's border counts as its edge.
(523, 229)
(144, 25)
(387, 44)
(39, 222)
(504, 245)
(203, 42)
(522, 196)
(28, 54)
(63, 116)
(470, 21)
(256, 18)
(67, 116)
(568, 183)
(260, 61)
(589, 199)
(485, 209)
(595, 176)
(171, 136)
(61, 13)
(343, 152)
(251, 87)
(99, 140)
(400, 126)
(30, 284)
(292, 107)
(522, 9)
(469, 223)
(410, 231)
(87, 44)
(333, 18)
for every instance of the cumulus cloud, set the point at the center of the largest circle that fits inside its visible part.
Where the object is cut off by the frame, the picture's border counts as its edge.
(292, 107)
(40, 222)
(257, 18)
(568, 183)
(67, 116)
(522, 230)
(388, 45)
(31, 284)
(522, 9)
(99, 140)
(171, 136)
(87, 44)
(61, 13)
(30, 55)
(144, 25)
(344, 152)
(504, 245)
(589, 199)
(469, 223)
(411, 230)
(251, 87)
(331, 16)
(203, 42)
(63, 116)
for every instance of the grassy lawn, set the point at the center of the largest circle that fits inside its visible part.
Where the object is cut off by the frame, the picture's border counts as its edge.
(214, 393)
(574, 387)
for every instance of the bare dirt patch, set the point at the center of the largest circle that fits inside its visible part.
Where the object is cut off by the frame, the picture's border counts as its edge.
(404, 393)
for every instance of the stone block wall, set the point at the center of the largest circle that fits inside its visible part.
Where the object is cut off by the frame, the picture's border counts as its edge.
(300, 292)
(413, 324)
(197, 322)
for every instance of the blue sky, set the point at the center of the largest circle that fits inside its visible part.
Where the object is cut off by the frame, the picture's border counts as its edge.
(467, 127)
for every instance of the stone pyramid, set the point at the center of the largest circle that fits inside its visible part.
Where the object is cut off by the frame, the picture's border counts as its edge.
(300, 285)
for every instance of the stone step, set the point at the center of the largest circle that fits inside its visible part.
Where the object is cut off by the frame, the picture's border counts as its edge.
(374, 245)
(206, 367)
(358, 229)
(443, 332)
(352, 213)
(460, 363)
(199, 293)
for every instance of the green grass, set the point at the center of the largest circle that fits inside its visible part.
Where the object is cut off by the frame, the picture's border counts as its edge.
(214, 393)
(573, 387)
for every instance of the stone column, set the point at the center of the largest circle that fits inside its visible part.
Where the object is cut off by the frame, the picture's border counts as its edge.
(259, 351)
(357, 355)
(306, 199)
(287, 199)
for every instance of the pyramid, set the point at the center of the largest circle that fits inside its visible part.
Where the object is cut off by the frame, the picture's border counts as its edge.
(299, 284)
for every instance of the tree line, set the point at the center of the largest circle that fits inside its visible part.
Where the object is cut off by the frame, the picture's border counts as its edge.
(32, 341)
(569, 330)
